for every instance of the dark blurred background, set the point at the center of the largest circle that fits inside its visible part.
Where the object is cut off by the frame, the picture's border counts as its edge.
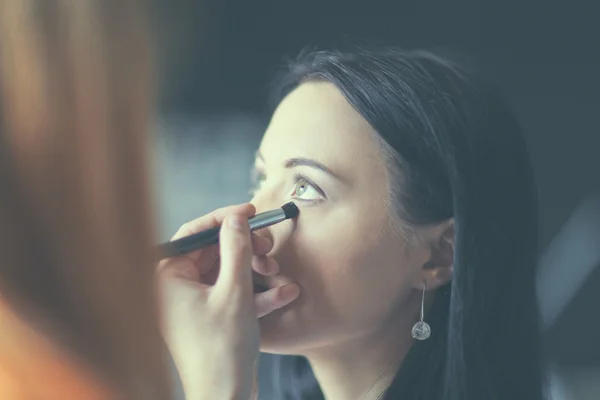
(218, 57)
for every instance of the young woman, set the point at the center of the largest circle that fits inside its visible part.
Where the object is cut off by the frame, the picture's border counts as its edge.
(417, 239)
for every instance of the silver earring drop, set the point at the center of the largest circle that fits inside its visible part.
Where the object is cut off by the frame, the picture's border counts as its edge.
(422, 330)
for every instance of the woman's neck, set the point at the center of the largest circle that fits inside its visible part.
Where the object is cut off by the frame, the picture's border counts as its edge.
(361, 368)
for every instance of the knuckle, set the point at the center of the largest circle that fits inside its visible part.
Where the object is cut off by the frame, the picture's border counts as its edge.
(161, 267)
(245, 248)
(164, 274)
(241, 251)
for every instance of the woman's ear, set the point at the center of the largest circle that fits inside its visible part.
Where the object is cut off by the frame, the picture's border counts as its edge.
(438, 269)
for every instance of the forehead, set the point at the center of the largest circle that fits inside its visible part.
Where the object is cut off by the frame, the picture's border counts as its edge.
(316, 121)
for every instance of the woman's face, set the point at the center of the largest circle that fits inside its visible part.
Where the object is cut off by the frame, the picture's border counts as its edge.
(355, 274)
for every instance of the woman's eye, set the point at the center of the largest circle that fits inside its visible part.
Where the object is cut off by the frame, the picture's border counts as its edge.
(257, 180)
(303, 190)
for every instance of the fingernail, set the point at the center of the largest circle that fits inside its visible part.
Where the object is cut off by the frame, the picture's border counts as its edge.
(289, 292)
(270, 268)
(265, 267)
(260, 264)
(188, 273)
(267, 240)
(236, 222)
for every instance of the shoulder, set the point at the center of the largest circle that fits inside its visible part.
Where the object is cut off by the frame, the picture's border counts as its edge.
(32, 367)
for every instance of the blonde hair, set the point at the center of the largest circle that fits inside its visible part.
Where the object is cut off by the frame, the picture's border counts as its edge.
(75, 220)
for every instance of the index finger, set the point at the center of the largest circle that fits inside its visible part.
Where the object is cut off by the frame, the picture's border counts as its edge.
(213, 219)
(236, 255)
(209, 221)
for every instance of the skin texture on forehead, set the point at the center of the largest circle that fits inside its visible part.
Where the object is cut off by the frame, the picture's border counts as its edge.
(319, 121)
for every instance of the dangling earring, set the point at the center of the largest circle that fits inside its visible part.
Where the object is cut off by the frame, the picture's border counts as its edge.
(422, 330)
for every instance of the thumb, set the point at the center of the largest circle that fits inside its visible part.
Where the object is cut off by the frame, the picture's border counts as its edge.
(236, 256)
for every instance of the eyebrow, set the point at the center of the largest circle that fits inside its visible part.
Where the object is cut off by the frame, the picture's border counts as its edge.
(307, 162)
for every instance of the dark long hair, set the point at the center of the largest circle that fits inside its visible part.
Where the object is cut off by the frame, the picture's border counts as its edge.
(458, 152)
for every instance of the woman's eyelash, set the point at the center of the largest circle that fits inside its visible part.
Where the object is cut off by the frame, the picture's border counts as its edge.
(301, 178)
(256, 179)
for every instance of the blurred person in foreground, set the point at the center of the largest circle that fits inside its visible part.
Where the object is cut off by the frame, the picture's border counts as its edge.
(79, 316)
